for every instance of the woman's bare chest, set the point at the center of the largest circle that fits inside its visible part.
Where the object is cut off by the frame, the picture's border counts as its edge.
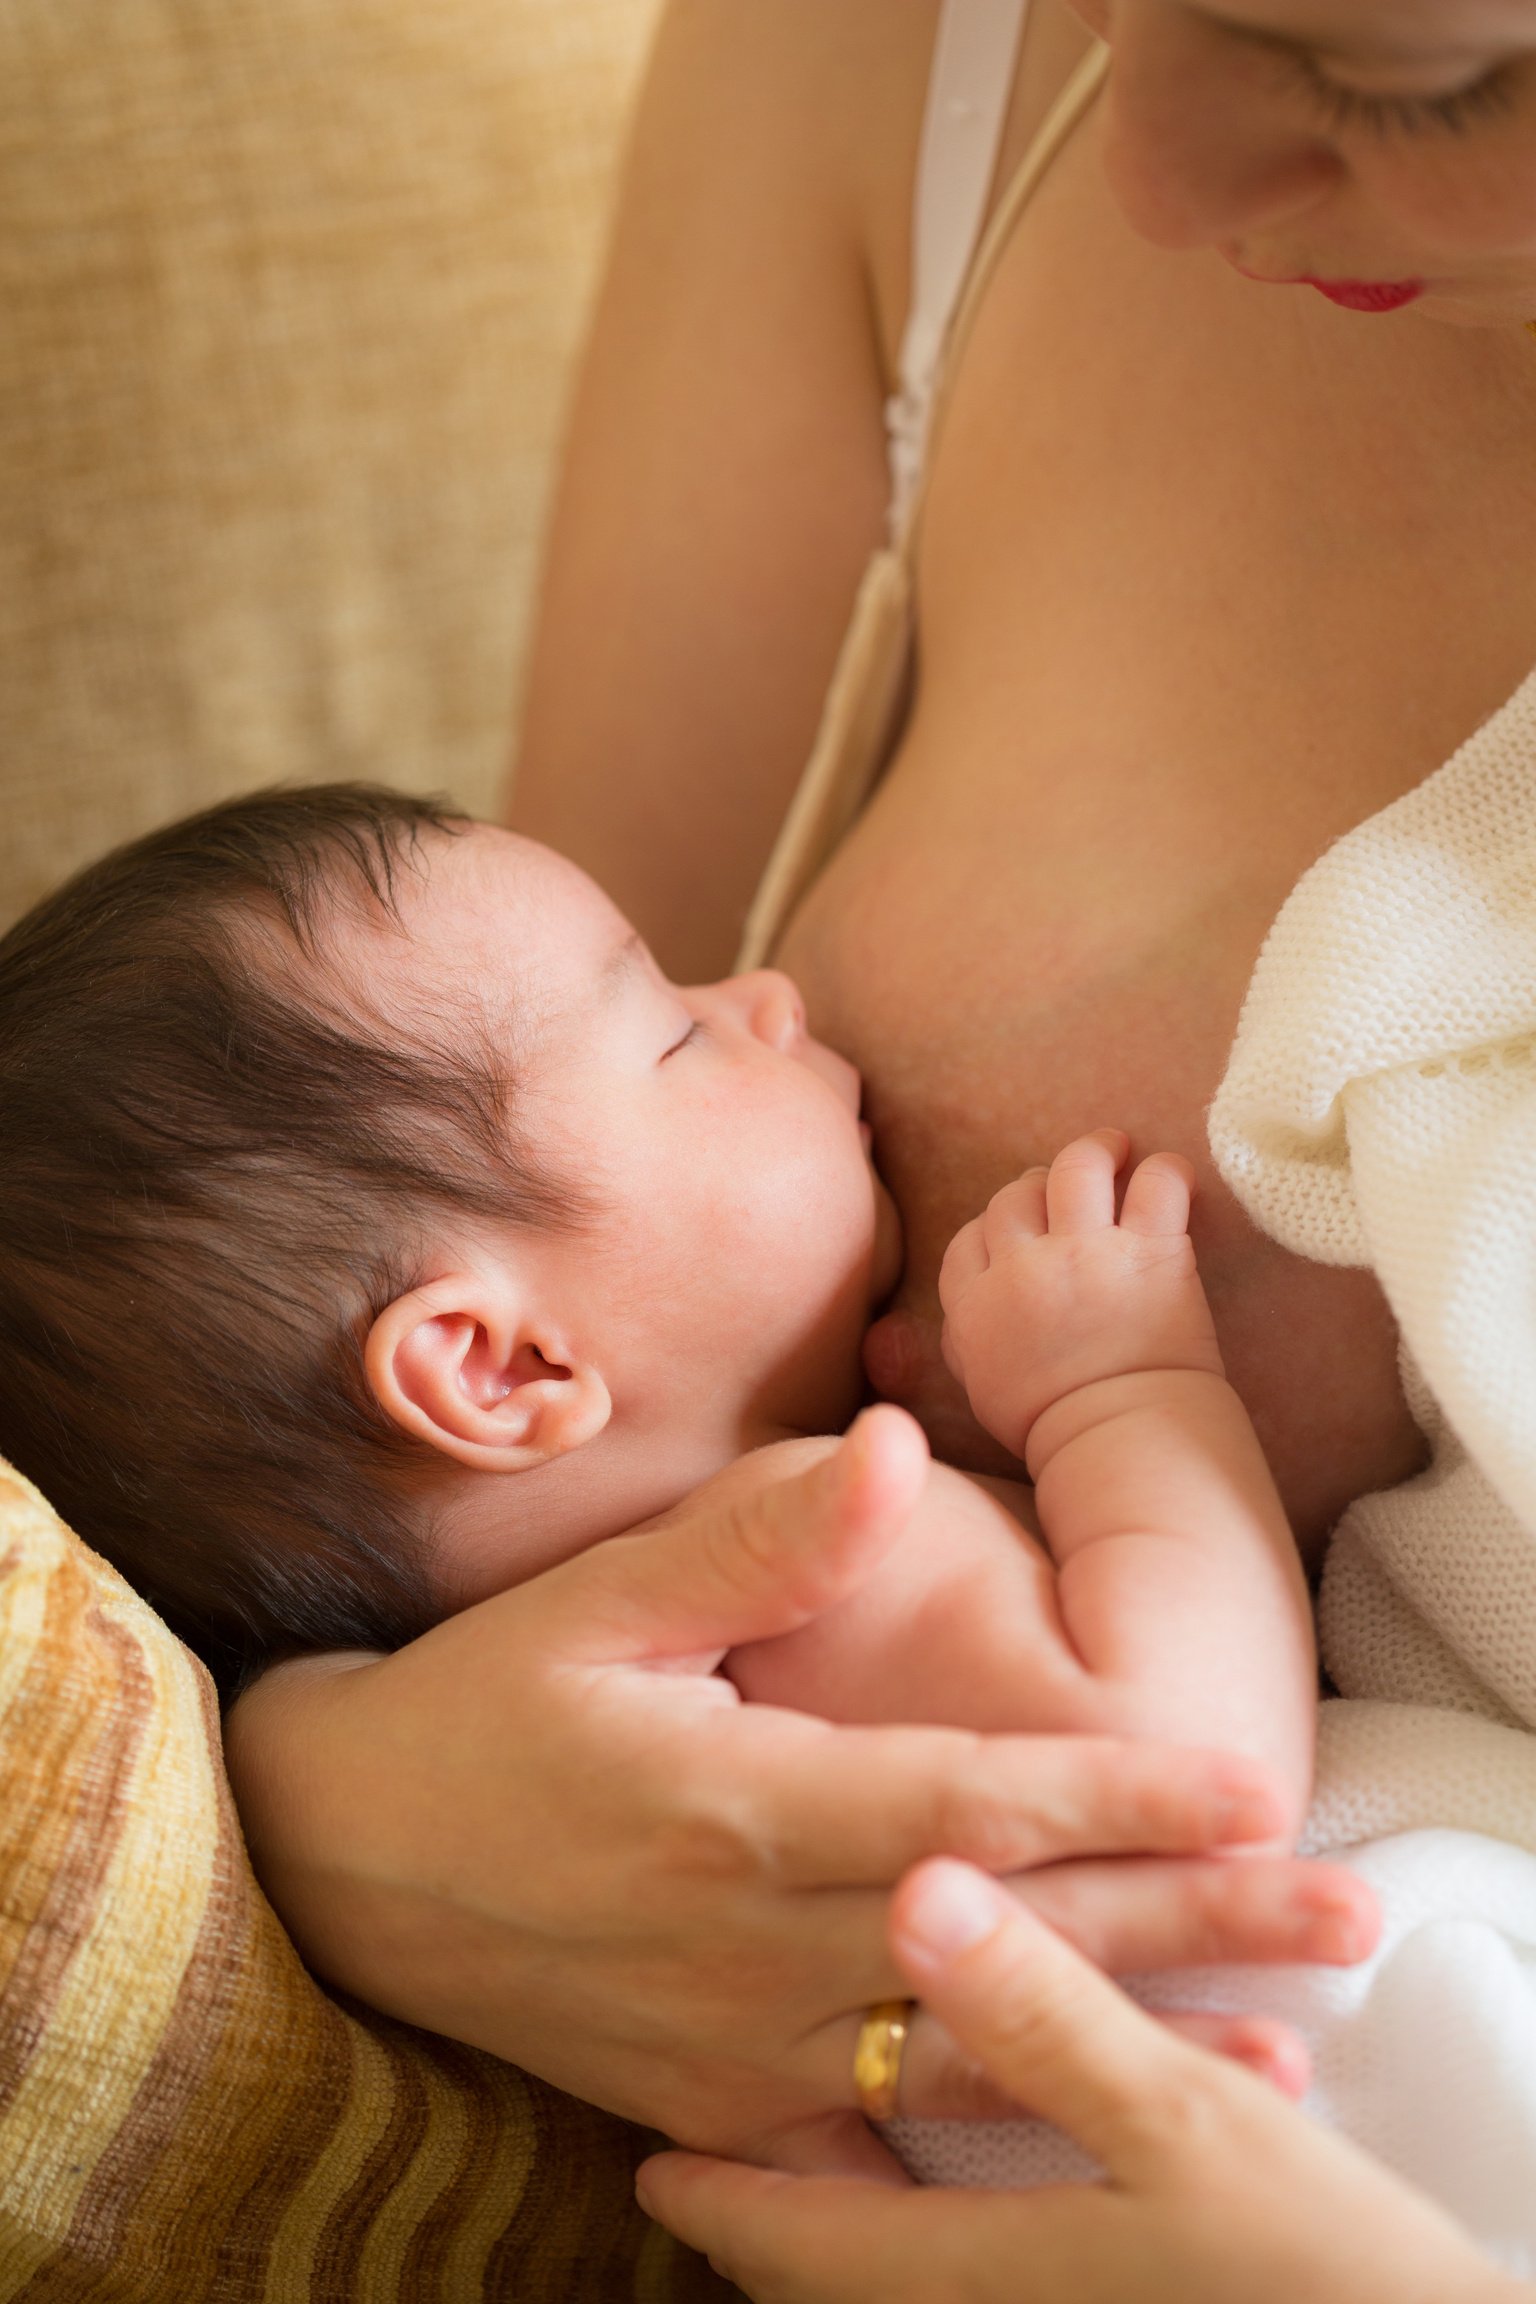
(1209, 573)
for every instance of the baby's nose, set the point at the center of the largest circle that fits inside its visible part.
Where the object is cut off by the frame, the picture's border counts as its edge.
(774, 1008)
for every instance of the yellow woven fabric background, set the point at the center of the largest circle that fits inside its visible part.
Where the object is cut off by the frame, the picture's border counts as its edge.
(289, 289)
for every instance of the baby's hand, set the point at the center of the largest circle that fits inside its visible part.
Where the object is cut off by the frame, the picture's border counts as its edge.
(1047, 1292)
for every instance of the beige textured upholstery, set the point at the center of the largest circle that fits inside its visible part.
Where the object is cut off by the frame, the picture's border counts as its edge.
(289, 291)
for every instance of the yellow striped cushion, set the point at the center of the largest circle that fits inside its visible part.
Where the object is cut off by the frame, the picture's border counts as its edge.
(184, 2114)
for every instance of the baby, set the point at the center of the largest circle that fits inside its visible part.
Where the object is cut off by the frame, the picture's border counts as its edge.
(381, 1227)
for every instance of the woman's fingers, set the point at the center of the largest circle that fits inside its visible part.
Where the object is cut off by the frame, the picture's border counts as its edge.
(942, 2081)
(1217, 2188)
(1131, 1916)
(855, 1807)
(837, 2144)
(1128, 1916)
(821, 2240)
(1269, 2050)
(1052, 2031)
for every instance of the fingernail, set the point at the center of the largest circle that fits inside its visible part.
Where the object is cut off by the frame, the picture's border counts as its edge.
(642, 2194)
(951, 1908)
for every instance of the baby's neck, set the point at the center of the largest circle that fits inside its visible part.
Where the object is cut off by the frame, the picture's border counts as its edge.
(490, 1531)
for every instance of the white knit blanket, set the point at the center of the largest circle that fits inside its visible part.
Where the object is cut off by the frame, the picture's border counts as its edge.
(1379, 1109)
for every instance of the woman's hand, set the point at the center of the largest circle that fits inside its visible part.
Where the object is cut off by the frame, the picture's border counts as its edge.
(550, 1829)
(1217, 2188)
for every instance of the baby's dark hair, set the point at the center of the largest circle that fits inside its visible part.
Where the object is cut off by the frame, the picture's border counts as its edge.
(214, 1178)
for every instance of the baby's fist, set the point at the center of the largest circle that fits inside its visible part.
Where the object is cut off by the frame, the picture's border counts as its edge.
(1048, 1291)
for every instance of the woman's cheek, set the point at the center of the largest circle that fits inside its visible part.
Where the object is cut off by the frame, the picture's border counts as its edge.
(1461, 209)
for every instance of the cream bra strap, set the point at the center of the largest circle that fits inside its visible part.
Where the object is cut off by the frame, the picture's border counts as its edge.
(867, 701)
(971, 80)
(1054, 131)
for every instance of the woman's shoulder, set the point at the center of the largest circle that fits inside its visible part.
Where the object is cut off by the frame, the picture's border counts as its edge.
(811, 107)
(826, 104)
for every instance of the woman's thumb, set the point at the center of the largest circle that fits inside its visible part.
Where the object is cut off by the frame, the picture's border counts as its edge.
(1058, 2036)
(754, 1565)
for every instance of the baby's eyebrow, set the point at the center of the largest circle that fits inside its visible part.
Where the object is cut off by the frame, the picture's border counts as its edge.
(624, 961)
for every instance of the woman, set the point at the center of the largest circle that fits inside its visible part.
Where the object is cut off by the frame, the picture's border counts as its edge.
(1216, 2189)
(1191, 549)
(1203, 589)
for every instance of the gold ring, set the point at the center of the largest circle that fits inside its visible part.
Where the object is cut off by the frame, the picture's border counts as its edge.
(877, 2057)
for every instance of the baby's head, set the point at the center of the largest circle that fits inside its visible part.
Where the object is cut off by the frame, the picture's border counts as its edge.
(358, 1158)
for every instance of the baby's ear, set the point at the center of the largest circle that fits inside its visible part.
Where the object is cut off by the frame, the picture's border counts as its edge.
(466, 1364)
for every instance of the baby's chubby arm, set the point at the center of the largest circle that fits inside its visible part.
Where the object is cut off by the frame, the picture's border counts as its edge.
(1085, 1343)
(1162, 1597)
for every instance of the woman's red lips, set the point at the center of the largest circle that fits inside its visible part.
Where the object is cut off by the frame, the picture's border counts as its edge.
(1368, 295)
(1354, 295)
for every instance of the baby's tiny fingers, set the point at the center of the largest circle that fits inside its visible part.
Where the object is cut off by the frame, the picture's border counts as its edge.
(1158, 1195)
(1080, 1191)
(1019, 1209)
(965, 1260)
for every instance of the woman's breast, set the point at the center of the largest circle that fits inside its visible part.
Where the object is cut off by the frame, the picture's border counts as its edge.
(1165, 659)
(1005, 985)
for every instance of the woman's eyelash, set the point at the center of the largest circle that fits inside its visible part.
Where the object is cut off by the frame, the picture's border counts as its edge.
(695, 1031)
(1404, 115)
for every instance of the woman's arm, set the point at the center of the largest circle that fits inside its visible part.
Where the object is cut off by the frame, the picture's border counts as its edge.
(724, 478)
(548, 1828)
(1217, 2188)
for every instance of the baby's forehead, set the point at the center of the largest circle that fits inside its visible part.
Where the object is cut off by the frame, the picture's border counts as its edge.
(489, 924)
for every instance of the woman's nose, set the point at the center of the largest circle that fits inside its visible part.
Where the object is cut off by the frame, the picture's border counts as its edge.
(770, 1006)
(1202, 143)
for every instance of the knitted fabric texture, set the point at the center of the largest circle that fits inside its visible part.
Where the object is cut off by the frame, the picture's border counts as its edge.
(1379, 1109)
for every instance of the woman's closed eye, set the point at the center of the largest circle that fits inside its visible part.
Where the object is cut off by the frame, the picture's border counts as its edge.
(1406, 115)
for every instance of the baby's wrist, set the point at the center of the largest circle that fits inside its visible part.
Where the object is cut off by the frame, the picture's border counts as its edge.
(1087, 1407)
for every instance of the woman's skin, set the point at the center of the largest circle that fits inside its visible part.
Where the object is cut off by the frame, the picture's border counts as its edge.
(1212, 571)
(548, 1829)
(1205, 2167)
